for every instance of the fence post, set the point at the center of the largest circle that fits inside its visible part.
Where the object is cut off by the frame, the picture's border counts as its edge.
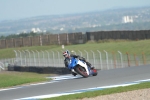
(58, 39)
(144, 59)
(80, 52)
(87, 56)
(48, 57)
(136, 62)
(43, 58)
(121, 58)
(28, 56)
(53, 58)
(38, 58)
(93, 56)
(31, 42)
(22, 41)
(40, 40)
(58, 58)
(114, 58)
(34, 58)
(106, 59)
(14, 42)
(20, 57)
(1, 66)
(6, 44)
(15, 53)
(67, 39)
(128, 59)
(100, 58)
(25, 57)
(16, 56)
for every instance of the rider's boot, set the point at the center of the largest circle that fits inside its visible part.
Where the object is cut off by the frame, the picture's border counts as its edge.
(73, 72)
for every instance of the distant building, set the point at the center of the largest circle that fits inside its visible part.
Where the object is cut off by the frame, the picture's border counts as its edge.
(127, 19)
(35, 30)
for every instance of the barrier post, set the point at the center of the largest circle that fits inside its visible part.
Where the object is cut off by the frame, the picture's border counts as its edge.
(106, 59)
(87, 56)
(43, 61)
(53, 59)
(136, 62)
(34, 58)
(114, 59)
(38, 58)
(128, 59)
(100, 56)
(80, 52)
(121, 58)
(29, 57)
(93, 56)
(20, 57)
(48, 58)
(144, 59)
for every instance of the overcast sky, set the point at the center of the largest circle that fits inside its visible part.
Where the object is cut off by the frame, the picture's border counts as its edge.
(17, 9)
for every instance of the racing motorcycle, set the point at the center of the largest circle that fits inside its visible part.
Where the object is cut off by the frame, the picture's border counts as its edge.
(80, 67)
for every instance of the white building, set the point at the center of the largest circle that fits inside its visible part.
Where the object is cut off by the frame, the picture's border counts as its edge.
(127, 19)
(34, 30)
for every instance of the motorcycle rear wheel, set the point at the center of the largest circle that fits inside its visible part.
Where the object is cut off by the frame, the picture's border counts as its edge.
(80, 70)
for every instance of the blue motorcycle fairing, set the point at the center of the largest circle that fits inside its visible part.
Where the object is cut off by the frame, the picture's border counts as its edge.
(73, 63)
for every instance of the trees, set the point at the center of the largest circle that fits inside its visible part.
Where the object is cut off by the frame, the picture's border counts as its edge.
(20, 35)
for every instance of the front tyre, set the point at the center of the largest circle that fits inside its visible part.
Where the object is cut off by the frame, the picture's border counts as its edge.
(81, 71)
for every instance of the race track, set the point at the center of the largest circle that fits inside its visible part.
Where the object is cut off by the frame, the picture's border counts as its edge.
(69, 83)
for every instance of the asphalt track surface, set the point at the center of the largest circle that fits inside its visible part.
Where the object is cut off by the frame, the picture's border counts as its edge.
(104, 78)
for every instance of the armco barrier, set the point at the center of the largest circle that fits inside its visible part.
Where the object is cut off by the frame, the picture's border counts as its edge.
(42, 70)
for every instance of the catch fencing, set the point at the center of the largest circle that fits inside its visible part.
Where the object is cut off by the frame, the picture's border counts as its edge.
(99, 59)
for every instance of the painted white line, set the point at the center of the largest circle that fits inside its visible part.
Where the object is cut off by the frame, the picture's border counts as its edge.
(17, 87)
(58, 78)
(82, 90)
(10, 88)
(55, 79)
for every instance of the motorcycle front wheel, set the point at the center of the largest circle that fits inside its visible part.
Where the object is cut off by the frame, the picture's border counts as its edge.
(80, 70)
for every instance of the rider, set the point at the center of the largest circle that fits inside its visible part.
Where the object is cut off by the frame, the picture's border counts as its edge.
(67, 56)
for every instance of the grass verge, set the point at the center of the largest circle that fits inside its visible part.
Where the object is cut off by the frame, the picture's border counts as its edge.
(102, 92)
(133, 47)
(9, 79)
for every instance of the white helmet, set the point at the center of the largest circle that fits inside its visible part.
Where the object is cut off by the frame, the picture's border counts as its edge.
(66, 53)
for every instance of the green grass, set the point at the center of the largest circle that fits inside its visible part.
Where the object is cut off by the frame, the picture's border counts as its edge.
(124, 46)
(133, 47)
(101, 92)
(11, 78)
(9, 52)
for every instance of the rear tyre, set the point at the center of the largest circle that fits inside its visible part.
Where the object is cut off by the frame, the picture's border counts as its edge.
(81, 71)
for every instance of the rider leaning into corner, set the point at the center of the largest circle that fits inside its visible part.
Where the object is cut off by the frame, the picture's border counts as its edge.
(67, 57)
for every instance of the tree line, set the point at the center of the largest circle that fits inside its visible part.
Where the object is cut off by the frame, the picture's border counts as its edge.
(21, 35)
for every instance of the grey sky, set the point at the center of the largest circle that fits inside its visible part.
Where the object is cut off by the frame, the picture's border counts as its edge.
(16, 9)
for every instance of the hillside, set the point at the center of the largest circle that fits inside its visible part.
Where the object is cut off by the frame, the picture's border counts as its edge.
(116, 19)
